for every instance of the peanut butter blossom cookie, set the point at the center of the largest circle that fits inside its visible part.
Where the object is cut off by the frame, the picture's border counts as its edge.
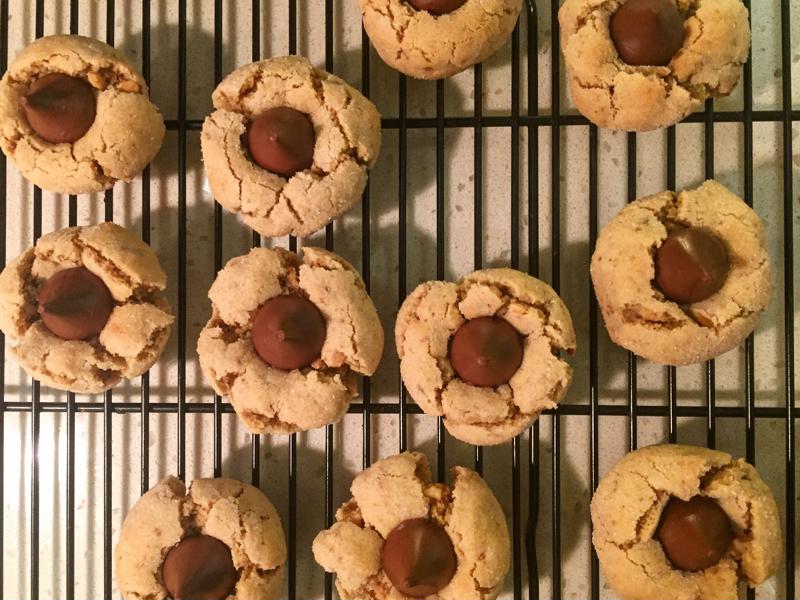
(433, 39)
(83, 308)
(639, 65)
(682, 278)
(75, 116)
(484, 352)
(220, 539)
(287, 336)
(401, 536)
(678, 522)
(289, 146)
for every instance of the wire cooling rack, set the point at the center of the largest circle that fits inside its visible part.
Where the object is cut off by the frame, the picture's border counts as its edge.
(490, 168)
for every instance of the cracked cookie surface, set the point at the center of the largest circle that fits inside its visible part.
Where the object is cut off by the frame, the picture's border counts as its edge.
(399, 488)
(126, 133)
(425, 46)
(627, 506)
(616, 95)
(270, 400)
(134, 335)
(637, 315)
(348, 139)
(432, 314)
(235, 513)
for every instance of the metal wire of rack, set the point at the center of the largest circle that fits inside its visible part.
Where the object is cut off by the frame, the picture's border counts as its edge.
(526, 544)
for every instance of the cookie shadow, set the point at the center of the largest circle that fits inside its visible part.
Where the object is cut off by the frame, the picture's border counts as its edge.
(165, 60)
(296, 474)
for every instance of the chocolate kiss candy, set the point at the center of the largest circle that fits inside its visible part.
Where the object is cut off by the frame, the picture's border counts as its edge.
(75, 304)
(486, 351)
(199, 568)
(696, 534)
(281, 140)
(418, 558)
(647, 32)
(691, 265)
(288, 332)
(437, 7)
(60, 108)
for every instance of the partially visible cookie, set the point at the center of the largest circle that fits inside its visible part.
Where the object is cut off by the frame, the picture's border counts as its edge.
(220, 535)
(287, 336)
(661, 505)
(652, 311)
(662, 78)
(441, 37)
(512, 323)
(288, 146)
(401, 529)
(62, 339)
(75, 116)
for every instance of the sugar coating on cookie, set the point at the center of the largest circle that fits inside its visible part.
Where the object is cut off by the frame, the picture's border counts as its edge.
(636, 313)
(126, 133)
(399, 489)
(616, 95)
(271, 400)
(348, 139)
(134, 335)
(428, 46)
(628, 504)
(434, 312)
(236, 514)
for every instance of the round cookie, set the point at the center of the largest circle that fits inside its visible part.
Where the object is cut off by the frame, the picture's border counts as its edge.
(320, 391)
(627, 509)
(432, 315)
(233, 513)
(637, 314)
(399, 489)
(432, 46)
(616, 95)
(124, 136)
(348, 138)
(132, 338)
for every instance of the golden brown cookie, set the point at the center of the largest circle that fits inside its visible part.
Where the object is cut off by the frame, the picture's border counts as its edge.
(491, 414)
(616, 95)
(321, 391)
(125, 135)
(348, 139)
(398, 489)
(627, 510)
(637, 314)
(428, 46)
(233, 513)
(132, 338)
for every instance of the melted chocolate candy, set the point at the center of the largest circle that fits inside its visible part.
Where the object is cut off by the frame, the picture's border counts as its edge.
(486, 351)
(281, 140)
(288, 332)
(437, 7)
(60, 108)
(199, 568)
(696, 534)
(75, 304)
(418, 558)
(647, 32)
(691, 265)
